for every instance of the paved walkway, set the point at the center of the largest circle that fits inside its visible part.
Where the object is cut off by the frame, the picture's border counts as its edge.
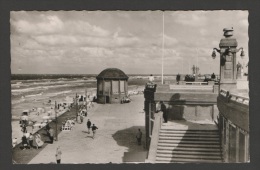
(117, 126)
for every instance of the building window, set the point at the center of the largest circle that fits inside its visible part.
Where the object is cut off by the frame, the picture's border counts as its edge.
(107, 87)
(115, 87)
(122, 87)
(100, 87)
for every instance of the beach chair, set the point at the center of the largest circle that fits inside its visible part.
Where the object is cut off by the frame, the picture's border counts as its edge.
(67, 126)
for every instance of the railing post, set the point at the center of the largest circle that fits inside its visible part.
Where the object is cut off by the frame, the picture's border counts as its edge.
(150, 128)
(212, 112)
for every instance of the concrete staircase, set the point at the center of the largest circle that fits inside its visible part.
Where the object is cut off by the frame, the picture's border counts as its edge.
(188, 144)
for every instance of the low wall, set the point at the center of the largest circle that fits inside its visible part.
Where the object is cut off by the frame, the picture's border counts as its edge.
(235, 111)
(186, 98)
(155, 137)
(234, 126)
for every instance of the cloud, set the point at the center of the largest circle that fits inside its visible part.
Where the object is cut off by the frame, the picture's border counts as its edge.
(45, 24)
(169, 41)
(92, 41)
(188, 18)
(203, 32)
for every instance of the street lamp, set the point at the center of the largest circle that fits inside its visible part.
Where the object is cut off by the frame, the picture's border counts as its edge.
(56, 121)
(228, 52)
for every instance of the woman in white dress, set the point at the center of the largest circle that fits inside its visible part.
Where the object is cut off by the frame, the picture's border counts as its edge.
(38, 140)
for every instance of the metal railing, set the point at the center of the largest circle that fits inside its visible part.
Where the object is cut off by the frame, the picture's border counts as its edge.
(196, 83)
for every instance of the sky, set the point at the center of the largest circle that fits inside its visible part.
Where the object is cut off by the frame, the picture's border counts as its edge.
(87, 42)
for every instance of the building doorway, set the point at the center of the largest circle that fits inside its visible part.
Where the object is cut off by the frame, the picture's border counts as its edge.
(107, 99)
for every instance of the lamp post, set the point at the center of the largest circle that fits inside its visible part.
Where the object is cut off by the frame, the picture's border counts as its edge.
(76, 102)
(56, 120)
(228, 67)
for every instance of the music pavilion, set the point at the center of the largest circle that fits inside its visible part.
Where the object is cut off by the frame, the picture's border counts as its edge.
(112, 86)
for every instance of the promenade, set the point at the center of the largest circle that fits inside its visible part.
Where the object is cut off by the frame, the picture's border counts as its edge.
(117, 126)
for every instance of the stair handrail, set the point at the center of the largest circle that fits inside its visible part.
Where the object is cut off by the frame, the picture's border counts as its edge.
(155, 138)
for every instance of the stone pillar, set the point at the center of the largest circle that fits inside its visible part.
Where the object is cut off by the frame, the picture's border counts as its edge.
(228, 68)
(149, 99)
(212, 112)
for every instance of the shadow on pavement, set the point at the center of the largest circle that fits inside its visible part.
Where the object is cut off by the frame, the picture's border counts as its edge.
(127, 138)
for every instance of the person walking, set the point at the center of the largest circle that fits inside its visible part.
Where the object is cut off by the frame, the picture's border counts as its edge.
(24, 128)
(51, 135)
(178, 78)
(58, 155)
(31, 140)
(139, 136)
(24, 142)
(94, 128)
(164, 110)
(81, 118)
(150, 79)
(88, 125)
(47, 128)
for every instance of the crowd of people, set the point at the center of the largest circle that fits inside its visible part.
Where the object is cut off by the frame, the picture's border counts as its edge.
(29, 139)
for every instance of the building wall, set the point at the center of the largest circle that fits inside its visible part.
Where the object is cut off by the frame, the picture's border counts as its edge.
(234, 128)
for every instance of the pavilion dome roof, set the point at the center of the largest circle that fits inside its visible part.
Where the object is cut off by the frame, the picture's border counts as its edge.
(112, 73)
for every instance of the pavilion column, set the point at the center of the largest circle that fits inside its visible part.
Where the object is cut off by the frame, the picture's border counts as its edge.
(103, 87)
(126, 91)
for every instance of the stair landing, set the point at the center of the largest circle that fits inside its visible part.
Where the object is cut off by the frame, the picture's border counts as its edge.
(190, 125)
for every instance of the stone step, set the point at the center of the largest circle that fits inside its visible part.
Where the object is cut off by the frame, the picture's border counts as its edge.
(189, 135)
(190, 142)
(199, 157)
(170, 129)
(194, 147)
(182, 160)
(185, 138)
(183, 152)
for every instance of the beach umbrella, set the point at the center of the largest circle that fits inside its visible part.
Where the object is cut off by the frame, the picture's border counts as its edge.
(25, 112)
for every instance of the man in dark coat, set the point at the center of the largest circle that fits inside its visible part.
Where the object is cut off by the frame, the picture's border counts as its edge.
(139, 136)
(213, 76)
(178, 78)
(88, 125)
(24, 142)
(94, 128)
(164, 110)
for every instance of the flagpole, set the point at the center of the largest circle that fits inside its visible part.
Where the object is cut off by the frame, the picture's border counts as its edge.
(163, 48)
(197, 61)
